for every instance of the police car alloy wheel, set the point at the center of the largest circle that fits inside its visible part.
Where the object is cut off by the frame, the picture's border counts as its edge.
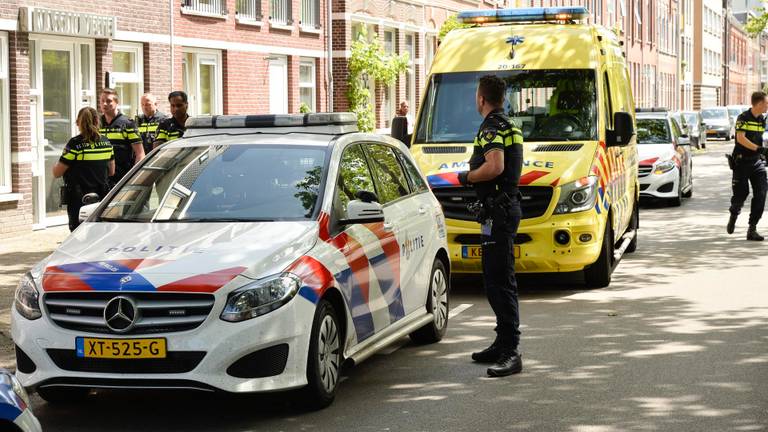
(324, 360)
(439, 287)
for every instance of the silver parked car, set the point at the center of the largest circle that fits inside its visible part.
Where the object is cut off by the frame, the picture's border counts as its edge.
(696, 128)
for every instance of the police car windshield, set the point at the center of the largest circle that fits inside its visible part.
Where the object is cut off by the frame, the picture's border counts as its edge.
(653, 131)
(547, 105)
(222, 183)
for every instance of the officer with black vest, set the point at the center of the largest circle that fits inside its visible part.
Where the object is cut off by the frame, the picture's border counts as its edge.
(149, 120)
(748, 165)
(122, 133)
(494, 174)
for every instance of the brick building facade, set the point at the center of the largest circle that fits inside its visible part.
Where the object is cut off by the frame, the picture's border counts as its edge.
(230, 56)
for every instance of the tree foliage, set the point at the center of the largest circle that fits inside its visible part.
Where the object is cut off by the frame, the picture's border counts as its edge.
(756, 25)
(451, 23)
(369, 61)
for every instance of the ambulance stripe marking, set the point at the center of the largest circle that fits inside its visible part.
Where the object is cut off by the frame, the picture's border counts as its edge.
(531, 177)
(444, 179)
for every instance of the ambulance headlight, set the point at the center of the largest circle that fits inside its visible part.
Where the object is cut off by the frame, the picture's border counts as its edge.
(260, 297)
(577, 196)
(27, 298)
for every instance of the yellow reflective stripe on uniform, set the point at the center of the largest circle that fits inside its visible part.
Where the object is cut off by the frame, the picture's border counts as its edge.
(69, 156)
(133, 136)
(114, 135)
(161, 134)
(750, 128)
(148, 128)
(96, 156)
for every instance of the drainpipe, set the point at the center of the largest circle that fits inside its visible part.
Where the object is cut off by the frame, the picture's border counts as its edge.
(329, 49)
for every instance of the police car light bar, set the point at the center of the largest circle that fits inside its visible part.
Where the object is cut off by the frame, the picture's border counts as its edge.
(552, 14)
(271, 120)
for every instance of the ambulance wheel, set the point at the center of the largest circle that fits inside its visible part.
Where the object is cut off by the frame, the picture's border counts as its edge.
(324, 359)
(437, 305)
(598, 275)
(63, 395)
(634, 225)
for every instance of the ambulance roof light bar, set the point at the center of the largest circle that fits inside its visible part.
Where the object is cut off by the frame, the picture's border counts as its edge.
(523, 15)
(272, 120)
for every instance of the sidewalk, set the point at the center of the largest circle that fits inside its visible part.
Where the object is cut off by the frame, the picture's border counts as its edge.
(17, 255)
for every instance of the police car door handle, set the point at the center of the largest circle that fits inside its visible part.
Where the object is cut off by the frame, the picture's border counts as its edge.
(388, 226)
(422, 210)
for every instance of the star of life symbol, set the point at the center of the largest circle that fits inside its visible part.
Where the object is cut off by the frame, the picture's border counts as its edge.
(514, 41)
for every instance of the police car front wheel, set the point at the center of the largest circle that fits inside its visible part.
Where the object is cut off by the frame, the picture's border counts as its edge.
(324, 359)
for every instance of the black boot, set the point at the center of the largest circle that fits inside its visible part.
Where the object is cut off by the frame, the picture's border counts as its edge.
(488, 355)
(509, 362)
(753, 235)
(731, 223)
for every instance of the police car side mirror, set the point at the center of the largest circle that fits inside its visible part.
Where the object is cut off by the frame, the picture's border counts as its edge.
(87, 210)
(359, 212)
(90, 198)
(623, 130)
(683, 140)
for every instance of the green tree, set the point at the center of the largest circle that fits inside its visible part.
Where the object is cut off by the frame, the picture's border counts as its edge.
(451, 23)
(368, 61)
(756, 25)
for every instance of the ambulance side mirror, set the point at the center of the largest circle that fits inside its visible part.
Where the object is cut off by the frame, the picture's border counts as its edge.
(623, 130)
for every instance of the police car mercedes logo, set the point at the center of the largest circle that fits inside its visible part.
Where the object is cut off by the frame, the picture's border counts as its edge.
(121, 314)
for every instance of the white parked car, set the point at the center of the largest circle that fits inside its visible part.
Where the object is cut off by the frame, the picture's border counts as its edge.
(665, 167)
(258, 253)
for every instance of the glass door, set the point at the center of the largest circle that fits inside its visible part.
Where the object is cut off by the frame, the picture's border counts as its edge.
(61, 84)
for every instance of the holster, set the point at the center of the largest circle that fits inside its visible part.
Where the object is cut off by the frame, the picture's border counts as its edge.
(731, 162)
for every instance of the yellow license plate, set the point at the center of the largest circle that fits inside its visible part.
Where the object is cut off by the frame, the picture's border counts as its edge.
(476, 252)
(711, 131)
(120, 348)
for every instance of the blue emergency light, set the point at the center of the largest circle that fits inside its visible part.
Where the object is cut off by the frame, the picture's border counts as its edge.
(552, 14)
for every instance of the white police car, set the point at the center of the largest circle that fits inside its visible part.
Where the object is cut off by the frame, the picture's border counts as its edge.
(15, 412)
(258, 253)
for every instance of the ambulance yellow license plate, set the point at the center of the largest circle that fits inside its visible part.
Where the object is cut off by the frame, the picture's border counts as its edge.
(476, 252)
(120, 348)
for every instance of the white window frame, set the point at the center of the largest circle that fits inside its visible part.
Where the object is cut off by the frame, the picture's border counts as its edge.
(5, 120)
(411, 72)
(313, 85)
(136, 77)
(192, 88)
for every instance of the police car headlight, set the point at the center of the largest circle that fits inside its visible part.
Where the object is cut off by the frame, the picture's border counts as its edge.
(260, 297)
(577, 196)
(8, 379)
(27, 298)
(664, 167)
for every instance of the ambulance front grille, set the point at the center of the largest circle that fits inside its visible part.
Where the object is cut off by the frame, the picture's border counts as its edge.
(557, 147)
(644, 170)
(443, 149)
(454, 200)
(155, 312)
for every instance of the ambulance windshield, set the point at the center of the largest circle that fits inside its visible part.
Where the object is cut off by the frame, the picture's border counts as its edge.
(547, 105)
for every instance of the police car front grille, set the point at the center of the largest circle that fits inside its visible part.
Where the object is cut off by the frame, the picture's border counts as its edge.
(557, 147)
(443, 149)
(536, 200)
(644, 170)
(157, 312)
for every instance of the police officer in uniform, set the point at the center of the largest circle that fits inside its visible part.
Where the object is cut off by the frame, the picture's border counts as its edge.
(174, 126)
(122, 133)
(86, 164)
(149, 120)
(494, 174)
(749, 166)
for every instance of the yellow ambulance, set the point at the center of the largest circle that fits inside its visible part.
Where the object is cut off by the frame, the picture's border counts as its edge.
(568, 90)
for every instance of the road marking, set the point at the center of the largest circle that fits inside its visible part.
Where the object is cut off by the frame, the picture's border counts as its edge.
(459, 309)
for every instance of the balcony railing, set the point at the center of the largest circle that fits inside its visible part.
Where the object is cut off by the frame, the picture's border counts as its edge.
(280, 12)
(249, 10)
(310, 14)
(205, 7)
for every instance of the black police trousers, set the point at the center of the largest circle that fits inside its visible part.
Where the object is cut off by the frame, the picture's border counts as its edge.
(74, 202)
(499, 273)
(744, 173)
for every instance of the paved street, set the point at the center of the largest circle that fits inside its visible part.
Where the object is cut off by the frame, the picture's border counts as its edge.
(679, 342)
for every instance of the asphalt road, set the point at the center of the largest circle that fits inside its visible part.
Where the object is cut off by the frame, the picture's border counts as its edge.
(678, 342)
